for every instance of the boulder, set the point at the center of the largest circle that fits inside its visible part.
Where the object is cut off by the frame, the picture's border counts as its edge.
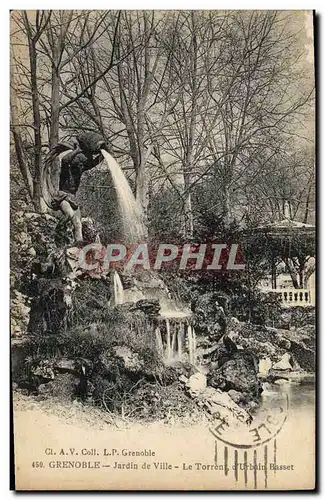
(239, 374)
(236, 396)
(221, 406)
(43, 370)
(303, 355)
(284, 363)
(78, 366)
(268, 342)
(196, 384)
(178, 371)
(281, 381)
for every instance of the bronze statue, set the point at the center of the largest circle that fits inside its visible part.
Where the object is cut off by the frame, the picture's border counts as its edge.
(84, 155)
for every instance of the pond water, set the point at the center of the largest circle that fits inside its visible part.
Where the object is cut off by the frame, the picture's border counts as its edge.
(301, 397)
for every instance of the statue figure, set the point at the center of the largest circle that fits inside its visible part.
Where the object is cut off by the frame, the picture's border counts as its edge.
(84, 155)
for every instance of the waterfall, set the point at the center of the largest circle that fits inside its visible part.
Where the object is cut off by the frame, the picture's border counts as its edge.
(130, 211)
(189, 343)
(173, 345)
(118, 292)
(194, 345)
(179, 342)
(168, 341)
(174, 340)
(191, 339)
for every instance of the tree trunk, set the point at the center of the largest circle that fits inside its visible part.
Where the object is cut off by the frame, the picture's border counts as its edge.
(16, 132)
(142, 194)
(54, 126)
(302, 263)
(188, 213)
(226, 205)
(273, 273)
(307, 205)
(293, 273)
(37, 126)
(308, 272)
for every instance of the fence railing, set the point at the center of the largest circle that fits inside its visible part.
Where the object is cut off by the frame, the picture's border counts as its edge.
(291, 297)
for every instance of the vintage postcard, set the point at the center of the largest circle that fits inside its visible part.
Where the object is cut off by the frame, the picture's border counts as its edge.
(163, 223)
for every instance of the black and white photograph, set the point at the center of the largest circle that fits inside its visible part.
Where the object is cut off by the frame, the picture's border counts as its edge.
(163, 250)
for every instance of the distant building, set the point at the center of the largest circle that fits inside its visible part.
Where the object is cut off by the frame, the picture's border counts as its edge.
(291, 240)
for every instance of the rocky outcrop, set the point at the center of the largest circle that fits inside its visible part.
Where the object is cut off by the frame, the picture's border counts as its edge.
(284, 363)
(196, 384)
(240, 374)
(149, 307)
(273, 343)
(19, 313)
(217, 403)
(45, 282)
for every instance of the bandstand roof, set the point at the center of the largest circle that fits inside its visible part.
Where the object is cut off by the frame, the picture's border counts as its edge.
(288, 236)
(287, 227)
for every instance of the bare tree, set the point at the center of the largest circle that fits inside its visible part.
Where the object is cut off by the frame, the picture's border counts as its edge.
(53, 40)
(257, 107)
(181, 97)
(127, 105)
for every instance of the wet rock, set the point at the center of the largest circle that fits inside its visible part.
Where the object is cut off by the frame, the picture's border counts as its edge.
(149, 307)
(170, 375)
(239, 373)
(220, 405)
(185, 369)
(196, 384)
(275, 375)
(281, 381)
(273, 343)
(178, 371)
(284, 363)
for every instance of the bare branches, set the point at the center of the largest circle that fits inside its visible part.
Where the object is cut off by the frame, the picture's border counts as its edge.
(182, 97)
(101, 75)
